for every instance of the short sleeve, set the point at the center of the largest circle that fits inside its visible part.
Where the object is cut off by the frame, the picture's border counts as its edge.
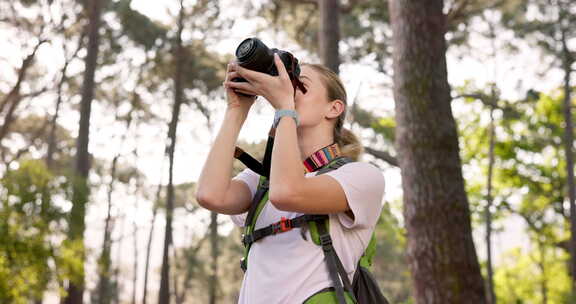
(363, 184)
(250, 178)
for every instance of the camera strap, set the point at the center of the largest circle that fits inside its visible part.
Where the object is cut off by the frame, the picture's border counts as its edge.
(296, 83)
(263, 168)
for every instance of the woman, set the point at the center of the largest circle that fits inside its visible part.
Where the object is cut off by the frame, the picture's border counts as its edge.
(287, 267)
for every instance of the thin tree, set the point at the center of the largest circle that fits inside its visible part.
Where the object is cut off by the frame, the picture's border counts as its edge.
(164, 294)
(440, 249)
(567, 62)
(81, 191)
(137, 192)
(214, 254)
(489, 203)
(59, 87)
(330, 33)
(104, 262)
(489, 196)
(150, 237)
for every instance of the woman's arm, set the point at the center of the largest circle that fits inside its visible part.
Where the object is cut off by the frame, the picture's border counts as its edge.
(216, 191)
(290, 190)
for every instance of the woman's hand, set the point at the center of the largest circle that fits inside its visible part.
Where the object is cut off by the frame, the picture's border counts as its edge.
(278, 90)
(240, 99)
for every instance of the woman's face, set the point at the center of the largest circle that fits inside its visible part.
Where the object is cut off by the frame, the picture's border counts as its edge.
(313, 107)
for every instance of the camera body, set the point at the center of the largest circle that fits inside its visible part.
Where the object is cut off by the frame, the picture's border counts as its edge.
(254, 55)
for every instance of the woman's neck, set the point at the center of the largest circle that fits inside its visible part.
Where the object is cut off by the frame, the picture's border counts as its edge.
(311, 140)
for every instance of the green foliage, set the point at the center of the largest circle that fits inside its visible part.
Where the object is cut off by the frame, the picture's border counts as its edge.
(529, 181)
(541, 22)
(520, 279)
(533, 159)
(28, 2)
(366, 31)
(27, 220)
(386, 126)
(139, 28)
(389, 264)
(183, 197)
(364, 26)
(71, 260)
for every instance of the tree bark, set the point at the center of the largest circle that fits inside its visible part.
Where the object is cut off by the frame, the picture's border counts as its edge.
(105, 261)
(489, 197)
(137, 191)
(164, 294)
(81, 190)
(149, 244)
(440, 248)
(214, 267)
(567, 61)
(543, 269)
(488, 212)
(54, 122)
(330, 33)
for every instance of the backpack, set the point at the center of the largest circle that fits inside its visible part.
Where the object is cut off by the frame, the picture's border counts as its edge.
(363, 289)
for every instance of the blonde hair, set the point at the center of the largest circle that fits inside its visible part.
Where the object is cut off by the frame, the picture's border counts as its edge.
(349, 144)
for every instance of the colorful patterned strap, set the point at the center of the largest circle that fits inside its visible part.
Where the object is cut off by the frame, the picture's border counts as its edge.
(321, 157)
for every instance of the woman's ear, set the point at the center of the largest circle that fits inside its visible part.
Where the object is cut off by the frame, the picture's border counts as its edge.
(337, 106)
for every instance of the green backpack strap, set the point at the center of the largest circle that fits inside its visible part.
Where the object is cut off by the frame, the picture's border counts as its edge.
(328, 296)
(261, 197)
(258, 203)
(335, 267)
(333, 165)
(366, 259)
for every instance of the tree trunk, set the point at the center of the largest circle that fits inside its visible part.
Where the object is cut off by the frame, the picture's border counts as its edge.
(192, 265)
(137, 191)
(54, 121)
(149, 244)
(487, 210)
(214, 267)
(104, 262)
(330, 33)
(489, 197)
(104, 287)
(567, 62)
(543, 270)
(81, 190)
(164, 294)
(440, 247)
(117, 285)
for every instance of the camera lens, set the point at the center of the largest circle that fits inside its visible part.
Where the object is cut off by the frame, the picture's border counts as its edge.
(245, 48)
(253, 54)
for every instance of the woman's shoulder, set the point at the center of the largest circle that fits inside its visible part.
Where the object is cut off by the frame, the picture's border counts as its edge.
(360, 172)
(360, 166)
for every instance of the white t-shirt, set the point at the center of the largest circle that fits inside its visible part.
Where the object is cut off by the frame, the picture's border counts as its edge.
(285, 268)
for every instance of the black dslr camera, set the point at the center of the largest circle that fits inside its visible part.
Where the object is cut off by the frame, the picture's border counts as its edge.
(254, 55)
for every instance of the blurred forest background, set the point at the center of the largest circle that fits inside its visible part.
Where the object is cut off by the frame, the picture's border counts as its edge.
(108, 108)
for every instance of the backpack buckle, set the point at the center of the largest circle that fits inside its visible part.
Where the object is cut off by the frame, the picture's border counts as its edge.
(247, 239)
(282, 226)
(285, 224)
(325, 239)
(326, 242)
